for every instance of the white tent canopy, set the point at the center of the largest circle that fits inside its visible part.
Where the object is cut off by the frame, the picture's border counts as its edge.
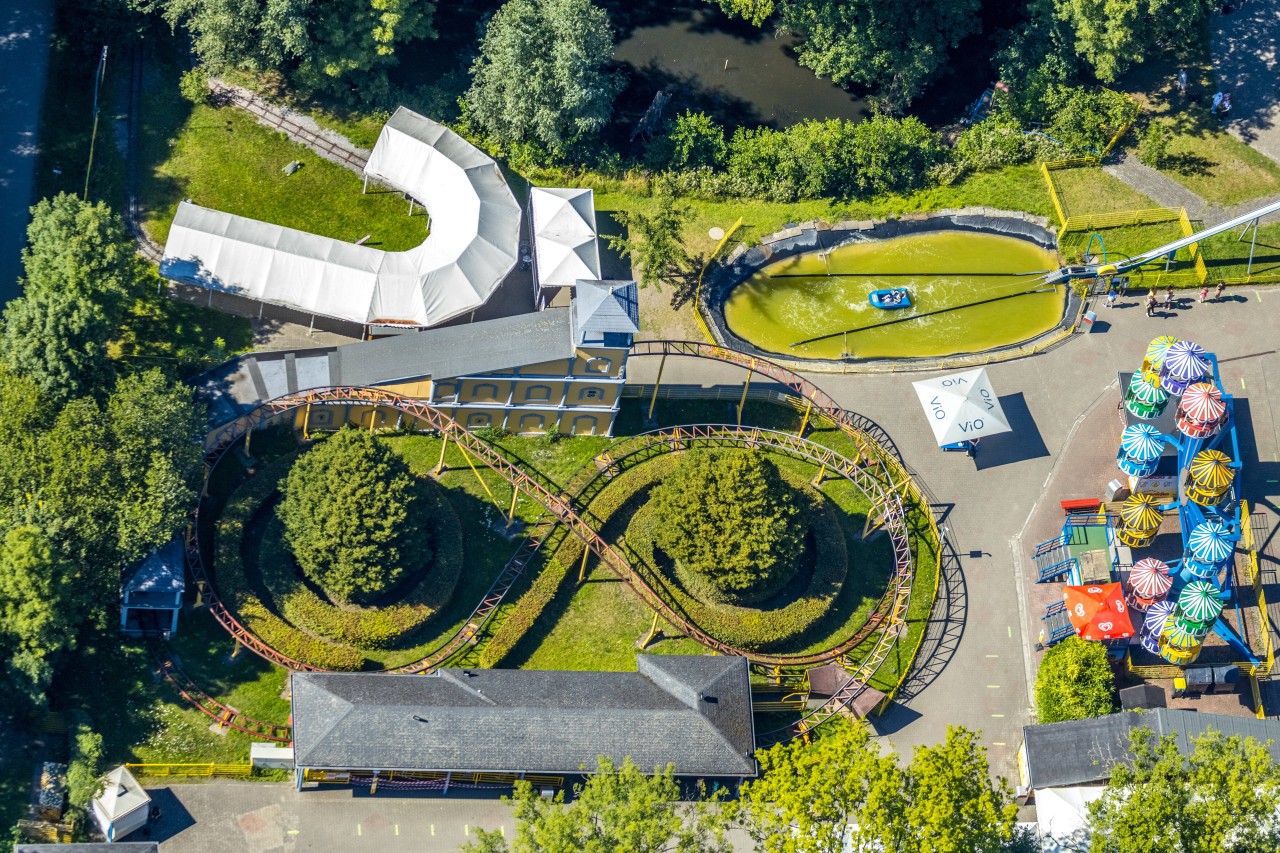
(1063, 816)
(961, 406)
(564, 235)
(473, 244)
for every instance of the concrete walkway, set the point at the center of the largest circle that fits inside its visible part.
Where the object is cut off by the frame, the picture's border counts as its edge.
(1167, 192)
(977, 667)
(25, 27)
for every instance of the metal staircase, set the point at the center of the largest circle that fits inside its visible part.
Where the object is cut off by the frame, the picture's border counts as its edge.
(1053, 559)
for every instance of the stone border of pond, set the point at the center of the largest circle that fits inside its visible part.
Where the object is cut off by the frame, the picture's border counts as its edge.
(817, 236)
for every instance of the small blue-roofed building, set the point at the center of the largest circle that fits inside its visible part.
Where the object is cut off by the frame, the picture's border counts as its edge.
(151, 593)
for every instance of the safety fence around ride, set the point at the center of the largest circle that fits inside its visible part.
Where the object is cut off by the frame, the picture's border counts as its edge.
(228, 771)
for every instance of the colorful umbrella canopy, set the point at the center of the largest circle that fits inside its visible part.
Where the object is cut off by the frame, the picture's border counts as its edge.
(1150, 578)
(1157, 348)
(1211, 470)
(1151, 642)
(1160, 611)
(1209, 542)
(1202, 402)
(1143, 392)
(1185, 360)
(1199, 600)
(1178, 638)
(1098, 611)
(1141, 442)
(1141, 512)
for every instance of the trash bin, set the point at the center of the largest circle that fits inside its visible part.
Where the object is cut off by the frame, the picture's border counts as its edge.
(1116, 491)
(1086, 322)
(1226, 679)
(1199, 680)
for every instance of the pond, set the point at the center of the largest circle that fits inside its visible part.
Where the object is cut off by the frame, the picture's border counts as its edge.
(729, 68)
(970, 292)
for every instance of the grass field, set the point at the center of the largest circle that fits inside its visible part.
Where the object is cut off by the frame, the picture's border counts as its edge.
(1091, 190)
(223, 159)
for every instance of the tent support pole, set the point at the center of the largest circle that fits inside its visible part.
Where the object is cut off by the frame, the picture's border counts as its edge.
(261, 307)
(366, 185)
(312, 327)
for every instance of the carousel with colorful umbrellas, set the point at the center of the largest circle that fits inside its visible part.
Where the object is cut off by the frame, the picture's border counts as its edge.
(1183, 600)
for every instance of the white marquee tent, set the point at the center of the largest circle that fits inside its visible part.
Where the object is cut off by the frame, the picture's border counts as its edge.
(473, 244)
(961, 406)
(564, 236)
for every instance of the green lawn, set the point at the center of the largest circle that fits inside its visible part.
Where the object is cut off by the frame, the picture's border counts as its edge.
(1091, 190)
(221, 158)
(1228, 257)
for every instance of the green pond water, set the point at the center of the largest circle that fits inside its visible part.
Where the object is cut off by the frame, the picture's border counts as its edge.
(808, 296)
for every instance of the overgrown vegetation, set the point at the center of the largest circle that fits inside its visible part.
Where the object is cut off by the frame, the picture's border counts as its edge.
(1074, 682)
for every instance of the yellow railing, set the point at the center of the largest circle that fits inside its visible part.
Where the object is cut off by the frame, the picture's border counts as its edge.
(1120, 219)
(1053, 194)
(1124, 128)
(153, 770)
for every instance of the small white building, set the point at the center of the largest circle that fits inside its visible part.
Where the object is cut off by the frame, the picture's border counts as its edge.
(565, 250)
(122, 807)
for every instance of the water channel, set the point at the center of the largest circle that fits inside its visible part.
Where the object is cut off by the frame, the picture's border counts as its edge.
(956, 281)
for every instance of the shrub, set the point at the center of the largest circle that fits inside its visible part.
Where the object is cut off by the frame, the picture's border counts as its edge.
(1154, 149)
(194, 85)
(730, 519)
(1087, 118)
(353, 517)
(994, 143)
(694, 141)
(1074, 682)
(893, 155)
(232, 581)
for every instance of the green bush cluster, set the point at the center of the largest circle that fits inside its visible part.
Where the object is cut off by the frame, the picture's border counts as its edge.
(380, 628)
(233, 583)
(1075, 682)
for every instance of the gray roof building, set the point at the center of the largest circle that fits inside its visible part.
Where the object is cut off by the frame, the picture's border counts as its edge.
(90, 847)
(1082, 752)
(605, 307)
(690, 711)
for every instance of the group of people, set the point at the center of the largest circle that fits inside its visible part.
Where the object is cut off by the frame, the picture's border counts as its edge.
(1152, 300)
(893, 297)
(1221, 100)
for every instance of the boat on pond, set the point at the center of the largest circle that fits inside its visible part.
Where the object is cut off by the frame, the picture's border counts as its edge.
(896, 297)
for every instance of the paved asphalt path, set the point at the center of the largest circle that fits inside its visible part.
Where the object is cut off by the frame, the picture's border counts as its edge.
(1246, 58)
(25, 27)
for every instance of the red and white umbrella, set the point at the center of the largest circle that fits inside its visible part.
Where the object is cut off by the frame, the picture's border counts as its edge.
(1150, 578)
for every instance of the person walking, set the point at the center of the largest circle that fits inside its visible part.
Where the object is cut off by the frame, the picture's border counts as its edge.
(1151, 303)
(1182, 82)
(1111, 297)
(1168, 298)
(1204, 294)
(1123, 281)
(1217, 293)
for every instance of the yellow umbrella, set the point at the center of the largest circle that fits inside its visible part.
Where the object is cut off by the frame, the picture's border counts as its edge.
(1141, 512)
(1157, 349)
(1211, 470)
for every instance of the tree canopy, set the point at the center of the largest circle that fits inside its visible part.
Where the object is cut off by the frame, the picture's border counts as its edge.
(1074, 682)
(1222, 798)
(730, 519)
(1112, 36)
(618, 808)
(59, 341)
(540, 78)
(83, 249)
(353, 517)
(842, 792)
(654, 243)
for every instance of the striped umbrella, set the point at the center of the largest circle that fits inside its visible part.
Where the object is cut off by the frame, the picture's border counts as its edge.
(1157, 348)
(1151, 642)
(1141, 442)
(1141, 512)
(1150, 578)
(1154, 621)
(1199, 601)
(1192, 627)
(1211, 469)
(1209, 542)
(1146, 393)
(1185, 360)
(1202, 402)
(1177, 638)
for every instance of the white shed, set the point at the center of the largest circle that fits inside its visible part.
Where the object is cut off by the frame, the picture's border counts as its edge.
(122, 807)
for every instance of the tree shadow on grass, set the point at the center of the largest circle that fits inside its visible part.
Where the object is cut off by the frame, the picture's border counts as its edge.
(1189, 164)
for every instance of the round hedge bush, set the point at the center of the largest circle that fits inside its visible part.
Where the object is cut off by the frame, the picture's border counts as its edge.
(731, 523)
(374, 628)
(353, 517)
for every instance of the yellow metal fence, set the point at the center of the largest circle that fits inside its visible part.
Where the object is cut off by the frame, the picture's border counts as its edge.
(225, 770)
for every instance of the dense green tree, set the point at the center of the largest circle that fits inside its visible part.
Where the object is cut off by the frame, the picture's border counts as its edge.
(693, 141)
(811, 159)
(729, 519)
(35, 621)
(755, 11)
(1114, 35)
(84, 772)
(618, 808)
(353, 42)
(540, 78)
(58, 339)
(893, 45)
(654, 243)
(844, 792)
(1074, 682)
(27, 414)
(893, 155)
(255, 35)
(82, 249)
(353, 517)
(1223, 798)
(818, 798)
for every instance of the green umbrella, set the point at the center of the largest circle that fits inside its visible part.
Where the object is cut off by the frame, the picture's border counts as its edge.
(1199, 602)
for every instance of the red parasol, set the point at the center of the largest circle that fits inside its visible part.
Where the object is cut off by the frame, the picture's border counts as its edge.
(1098, 611)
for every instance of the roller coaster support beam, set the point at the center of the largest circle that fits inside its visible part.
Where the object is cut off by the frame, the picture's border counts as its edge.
(656, 384)
(582, 569)
(1253, 244)
(515, 495)
(742, 401)
(444, 445)
(306, 422)
(808, 410)
(248, 439)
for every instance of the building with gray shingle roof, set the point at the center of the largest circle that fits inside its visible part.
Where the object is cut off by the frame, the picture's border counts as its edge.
(151, 592)
(690, 711)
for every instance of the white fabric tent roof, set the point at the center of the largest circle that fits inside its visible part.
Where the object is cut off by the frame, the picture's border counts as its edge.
(961, 406)
(564, 235)
(1063, 817)
(473, 244)
(121, 794)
